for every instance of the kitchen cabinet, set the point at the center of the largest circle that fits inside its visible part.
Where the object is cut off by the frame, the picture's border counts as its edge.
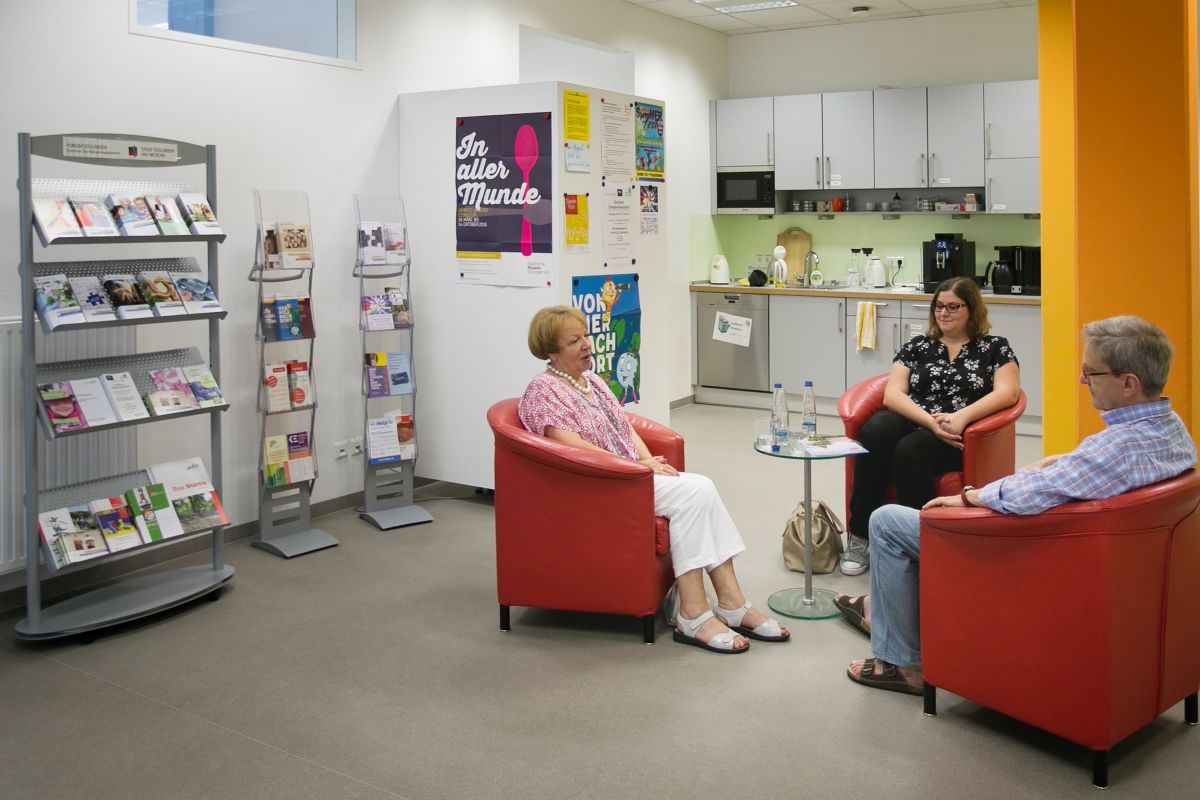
(847, 133)
(956, 135)
(745, 128)
(1014, 185)
(799, 160)
(929, 137)
(807, 335)
(862, 364)
(1011, 119)
(901, 139)
(1022, 326)
(825, 141)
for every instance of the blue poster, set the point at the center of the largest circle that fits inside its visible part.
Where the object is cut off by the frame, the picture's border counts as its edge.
(613, 311)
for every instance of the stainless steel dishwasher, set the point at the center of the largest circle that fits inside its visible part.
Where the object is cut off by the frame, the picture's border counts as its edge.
(723, 365)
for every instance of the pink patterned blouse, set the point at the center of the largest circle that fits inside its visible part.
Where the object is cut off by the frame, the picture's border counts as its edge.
(551, 403)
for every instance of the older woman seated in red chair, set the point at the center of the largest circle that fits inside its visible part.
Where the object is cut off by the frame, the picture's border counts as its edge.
(571, 404)
(940, 382)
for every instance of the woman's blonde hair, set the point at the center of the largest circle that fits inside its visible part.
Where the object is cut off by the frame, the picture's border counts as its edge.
(968, 291)
(545, 327)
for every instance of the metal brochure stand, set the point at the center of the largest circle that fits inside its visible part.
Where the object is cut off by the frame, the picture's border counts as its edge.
(387, 487)
(134, 598)
(284, 512)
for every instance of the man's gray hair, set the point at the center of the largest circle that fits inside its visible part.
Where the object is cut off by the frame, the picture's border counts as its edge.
(1131, 344)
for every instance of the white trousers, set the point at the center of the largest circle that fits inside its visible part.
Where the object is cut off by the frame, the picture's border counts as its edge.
(702, 532)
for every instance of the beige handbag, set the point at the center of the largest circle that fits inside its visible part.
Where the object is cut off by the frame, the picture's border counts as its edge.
(826, 539)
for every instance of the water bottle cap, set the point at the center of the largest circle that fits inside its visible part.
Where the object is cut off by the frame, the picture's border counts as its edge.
(779, 386)
(806, 383)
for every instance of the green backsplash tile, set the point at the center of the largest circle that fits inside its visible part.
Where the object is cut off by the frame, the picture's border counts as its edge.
(740, 238)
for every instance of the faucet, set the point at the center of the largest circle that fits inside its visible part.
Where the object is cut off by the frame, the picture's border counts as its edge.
(816, 262)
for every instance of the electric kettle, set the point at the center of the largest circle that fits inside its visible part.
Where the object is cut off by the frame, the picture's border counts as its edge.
(720, 270)
(875, 276)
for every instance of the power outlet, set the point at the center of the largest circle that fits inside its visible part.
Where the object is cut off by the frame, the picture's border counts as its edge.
(340, 449)
(356, 445)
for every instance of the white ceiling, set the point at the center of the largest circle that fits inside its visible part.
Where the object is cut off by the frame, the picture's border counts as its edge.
(812, 13)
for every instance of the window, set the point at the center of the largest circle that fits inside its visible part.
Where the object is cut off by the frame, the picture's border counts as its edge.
(315, 30)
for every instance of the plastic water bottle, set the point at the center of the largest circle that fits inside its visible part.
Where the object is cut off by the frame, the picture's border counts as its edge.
(808, 412)
(779, 418)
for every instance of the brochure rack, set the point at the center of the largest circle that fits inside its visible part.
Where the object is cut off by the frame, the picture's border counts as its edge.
(380, 266)
(128, 599)
(284, 512)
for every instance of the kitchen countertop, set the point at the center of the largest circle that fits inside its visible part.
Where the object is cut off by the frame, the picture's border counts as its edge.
(856, 293)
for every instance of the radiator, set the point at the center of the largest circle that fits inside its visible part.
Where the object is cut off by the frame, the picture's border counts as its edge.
(61, 462)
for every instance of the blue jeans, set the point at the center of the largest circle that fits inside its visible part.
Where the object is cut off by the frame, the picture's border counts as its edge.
(895, 589)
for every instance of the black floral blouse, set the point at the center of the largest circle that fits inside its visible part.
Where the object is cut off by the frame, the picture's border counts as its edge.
(937, 384)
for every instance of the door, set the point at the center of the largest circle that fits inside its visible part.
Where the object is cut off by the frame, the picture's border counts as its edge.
(1010, 116)
(956, 135)
(798, 163)
(1014, 185)
(847, 128)
(806, 344)
(901, 144)
(744, 132)
(862, 364)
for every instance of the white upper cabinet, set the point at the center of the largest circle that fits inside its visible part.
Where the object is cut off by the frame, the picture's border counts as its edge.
(929, 137)
(745, 129)
(847, 126)
(901, 143)
(798, 155)
(956, 135)
(1014, 185)
(1010, 113)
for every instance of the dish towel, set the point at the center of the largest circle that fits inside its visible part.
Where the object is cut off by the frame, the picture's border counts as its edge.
(864, 326)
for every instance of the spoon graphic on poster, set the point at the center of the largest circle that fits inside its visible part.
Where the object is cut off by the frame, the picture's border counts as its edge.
(525, 152)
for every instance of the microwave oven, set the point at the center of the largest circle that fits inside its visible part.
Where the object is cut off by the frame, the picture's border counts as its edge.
(745, 191)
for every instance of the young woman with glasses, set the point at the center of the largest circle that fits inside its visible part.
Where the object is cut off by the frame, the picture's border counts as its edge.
(940, 382)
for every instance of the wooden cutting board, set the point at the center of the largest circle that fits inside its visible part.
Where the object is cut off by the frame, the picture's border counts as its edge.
(797, 243)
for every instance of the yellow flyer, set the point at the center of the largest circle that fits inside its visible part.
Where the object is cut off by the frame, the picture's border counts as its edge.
(576, 123)
(576, 208)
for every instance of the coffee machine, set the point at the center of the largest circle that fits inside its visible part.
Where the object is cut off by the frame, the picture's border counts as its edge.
(947, 255)
(1026, 264)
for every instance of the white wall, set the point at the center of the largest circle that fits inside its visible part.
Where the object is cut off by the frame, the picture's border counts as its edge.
(998, 45)
(284, 124)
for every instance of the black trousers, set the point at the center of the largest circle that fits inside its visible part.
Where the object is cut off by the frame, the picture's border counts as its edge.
(902, 454)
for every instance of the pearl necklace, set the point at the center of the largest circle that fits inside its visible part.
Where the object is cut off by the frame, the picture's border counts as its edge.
(581, 385)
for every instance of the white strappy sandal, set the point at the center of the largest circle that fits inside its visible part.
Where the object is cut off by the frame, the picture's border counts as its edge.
(769, 631)
(721, 643)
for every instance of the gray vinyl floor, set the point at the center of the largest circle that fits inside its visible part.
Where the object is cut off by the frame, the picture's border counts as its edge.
(376, 670)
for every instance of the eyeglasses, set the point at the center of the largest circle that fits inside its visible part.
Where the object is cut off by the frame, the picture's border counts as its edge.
(953, 308)
(1084, 375)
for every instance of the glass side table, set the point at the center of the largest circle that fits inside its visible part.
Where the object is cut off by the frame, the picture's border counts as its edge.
(808, 603)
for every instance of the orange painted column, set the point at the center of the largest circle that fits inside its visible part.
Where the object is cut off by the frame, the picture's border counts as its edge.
(1119, 175)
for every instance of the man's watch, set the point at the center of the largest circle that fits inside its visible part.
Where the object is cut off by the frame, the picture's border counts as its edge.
(963, 495)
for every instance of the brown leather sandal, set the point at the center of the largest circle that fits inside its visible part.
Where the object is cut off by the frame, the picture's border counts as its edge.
(887, 678)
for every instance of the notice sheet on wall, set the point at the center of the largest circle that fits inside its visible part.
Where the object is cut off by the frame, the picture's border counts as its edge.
(648, 209)
(616, 152)
(618, 222)
(577, 131)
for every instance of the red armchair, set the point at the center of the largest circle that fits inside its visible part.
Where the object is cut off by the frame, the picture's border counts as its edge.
(575, 529)
(1083, 621)
(989, 444)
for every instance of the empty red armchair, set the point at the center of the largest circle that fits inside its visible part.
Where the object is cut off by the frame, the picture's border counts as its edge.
(1083, 621)
(575, 529)
(989, 444)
